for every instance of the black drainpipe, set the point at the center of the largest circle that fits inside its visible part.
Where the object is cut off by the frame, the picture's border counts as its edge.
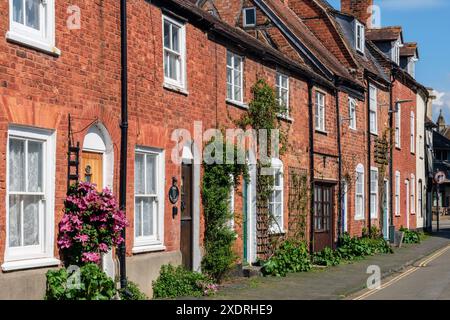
(311, 162)
(124, 135)
(369, 162)
(338, 120)
(391, 167)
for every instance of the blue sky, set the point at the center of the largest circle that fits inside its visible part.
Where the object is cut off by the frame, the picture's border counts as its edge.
(428, 23)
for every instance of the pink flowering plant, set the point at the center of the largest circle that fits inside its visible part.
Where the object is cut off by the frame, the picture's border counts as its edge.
(91, 225)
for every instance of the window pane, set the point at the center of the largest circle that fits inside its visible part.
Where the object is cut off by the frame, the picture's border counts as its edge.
(237, 63)
(137, 217)
(229, 91)
(250, 16)
(139, 187)
(147, 216)
(229, 59)
(32, 13)
(173, 66)
(151, 174)
(18, 11)
(175, 38)
(16, 165)
(35, 162)
(14, 221)
(31, 220)
(167, 34)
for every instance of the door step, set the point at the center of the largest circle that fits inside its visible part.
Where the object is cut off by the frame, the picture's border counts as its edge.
(252, 271)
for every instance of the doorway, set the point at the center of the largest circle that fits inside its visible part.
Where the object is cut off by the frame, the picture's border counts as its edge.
(186, 245)
(97, 167)
(323, 216)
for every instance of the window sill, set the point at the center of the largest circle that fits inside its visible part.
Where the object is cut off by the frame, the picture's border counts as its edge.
(374, 133)
(175, 88)
(398, 148)
(148, 248)
(285, 118)
(323, 132)
(238, 104)
(34, 44)
(30, 264)
(362, 218)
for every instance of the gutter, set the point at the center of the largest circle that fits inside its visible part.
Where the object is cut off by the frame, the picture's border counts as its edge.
(124, 135)
(311, 164)
(369, 159)
(391, 160)
(338, 120)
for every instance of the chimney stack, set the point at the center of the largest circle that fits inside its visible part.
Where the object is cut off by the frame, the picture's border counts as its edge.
(361, 9)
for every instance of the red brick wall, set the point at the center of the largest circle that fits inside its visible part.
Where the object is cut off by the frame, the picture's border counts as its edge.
(403, 160)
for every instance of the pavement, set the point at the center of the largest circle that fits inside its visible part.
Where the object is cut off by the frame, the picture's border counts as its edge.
(334, 283)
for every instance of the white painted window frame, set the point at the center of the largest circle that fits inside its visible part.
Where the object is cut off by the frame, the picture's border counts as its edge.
(42, 254)
(398, 127)
(397, 206)
(231, 204)
(320, 105)
(360, 38)
(181, 82)
(352, 113)
(374, 192)
(373, 108)
(43, 40)
(413, 132)
(395, 56)
(280, 89)
(412, 191)
(232, 70)
(155, 242)
(244, 12)
(277, 167)
(360, 171)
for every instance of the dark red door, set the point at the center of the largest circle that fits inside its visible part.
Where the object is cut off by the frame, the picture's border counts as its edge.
(186, 216)
(323, 217)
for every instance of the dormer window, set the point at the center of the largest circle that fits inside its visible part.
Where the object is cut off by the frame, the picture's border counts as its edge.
(249, 17)
(359, 36)
(412, 66)
(396, 52)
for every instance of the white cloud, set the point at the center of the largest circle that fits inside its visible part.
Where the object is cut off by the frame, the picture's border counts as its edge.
(412, 4)
(442, 102)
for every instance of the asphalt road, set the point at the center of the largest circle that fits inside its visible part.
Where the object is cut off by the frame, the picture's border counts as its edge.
(428, 279)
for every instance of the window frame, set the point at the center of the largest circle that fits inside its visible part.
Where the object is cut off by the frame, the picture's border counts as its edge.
(352, 105)
(360, 40)
(43, 40)
(374, 192)
(42, 254)
(373, 108)
(154, 242)
(277, 167)
(233, 84)
(398, 126)
(320, 112)
(360, 171)
(397, 194)
(169, 82)
(231, 203)
(244, 19)
(279, 90)
(395, 56)
(412, 194)
(413, 132)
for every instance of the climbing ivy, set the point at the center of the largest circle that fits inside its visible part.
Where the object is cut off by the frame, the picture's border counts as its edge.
(218, 181)
(264, 114)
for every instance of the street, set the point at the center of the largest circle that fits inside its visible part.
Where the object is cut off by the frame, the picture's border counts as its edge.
(428, 279)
